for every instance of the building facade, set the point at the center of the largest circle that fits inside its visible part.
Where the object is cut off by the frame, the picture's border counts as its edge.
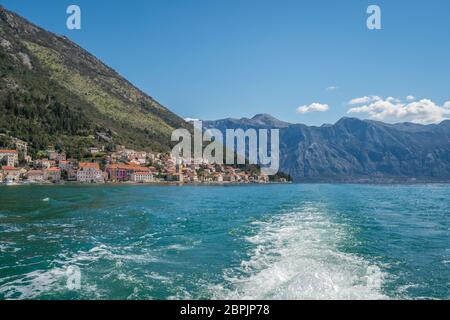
(35, 176)
(52, 174)
(90, 172)
(123, 172)
(9, 157)
(144, 177)
(11, 174)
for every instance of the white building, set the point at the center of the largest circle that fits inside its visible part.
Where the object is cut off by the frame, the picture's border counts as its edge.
(65, 165)
(144, 176)
(41, 164)
(52, 174)
(11, 157)
(11, 174)
(90, 172)
(35, 176)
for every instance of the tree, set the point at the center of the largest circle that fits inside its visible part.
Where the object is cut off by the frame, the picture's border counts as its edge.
(5, 141)
(41, 154)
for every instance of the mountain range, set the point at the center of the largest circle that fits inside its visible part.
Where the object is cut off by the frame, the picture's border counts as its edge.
(354, 150)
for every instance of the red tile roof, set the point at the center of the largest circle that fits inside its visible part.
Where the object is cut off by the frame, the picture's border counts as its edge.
(35, 172)
(127, 167)
(6, 168)
(89, 165)
(8, 151)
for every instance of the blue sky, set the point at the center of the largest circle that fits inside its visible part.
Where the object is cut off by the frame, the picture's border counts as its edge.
(212, 59)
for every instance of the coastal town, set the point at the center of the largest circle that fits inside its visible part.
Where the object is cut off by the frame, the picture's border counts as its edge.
(121, 166)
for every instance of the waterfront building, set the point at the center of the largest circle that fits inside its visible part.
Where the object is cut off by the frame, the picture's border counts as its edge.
(123, 172)
(217, 177)
(9, 157)
(52, 174)
(143, 176)
(90, 172)
(175, 177)
(35, 176)
(229, 178)
(72, 174)
(11, 174)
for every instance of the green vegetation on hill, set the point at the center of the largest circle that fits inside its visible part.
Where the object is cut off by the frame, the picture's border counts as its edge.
(52, 92)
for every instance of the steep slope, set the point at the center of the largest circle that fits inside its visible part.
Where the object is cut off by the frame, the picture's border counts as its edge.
(354, 150)
(54, 92)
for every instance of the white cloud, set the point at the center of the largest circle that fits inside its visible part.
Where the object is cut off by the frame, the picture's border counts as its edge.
(410, 98)
(391, 109)
(363, 100)
(390, 99)
(313, 107)
(332, 88)
(191, 119)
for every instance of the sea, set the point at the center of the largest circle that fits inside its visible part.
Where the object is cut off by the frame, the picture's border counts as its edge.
(287, 241)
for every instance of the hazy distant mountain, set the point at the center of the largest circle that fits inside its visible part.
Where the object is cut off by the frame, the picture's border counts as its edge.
(54, 92)
(354, 150)
(260, 121)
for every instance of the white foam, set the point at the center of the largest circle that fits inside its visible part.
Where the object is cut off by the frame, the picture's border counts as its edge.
(104, 252)
(296, 256)
(39, 282)
(11, 228)
(8, 247)
(54, 280)
(175, 247)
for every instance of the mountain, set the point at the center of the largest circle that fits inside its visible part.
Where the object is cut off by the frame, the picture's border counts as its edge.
(259, 121)
(354, 150)
(54, 92)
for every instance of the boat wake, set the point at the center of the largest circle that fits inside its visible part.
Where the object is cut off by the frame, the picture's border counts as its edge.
(296, 256)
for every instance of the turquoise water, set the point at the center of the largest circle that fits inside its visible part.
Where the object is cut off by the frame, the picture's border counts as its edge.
(235, 242)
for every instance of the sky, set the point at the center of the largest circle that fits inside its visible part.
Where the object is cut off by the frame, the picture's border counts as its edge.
(309, 62)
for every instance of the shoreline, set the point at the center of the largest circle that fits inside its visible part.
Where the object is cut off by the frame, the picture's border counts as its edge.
(224, 184)
(162, 183)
